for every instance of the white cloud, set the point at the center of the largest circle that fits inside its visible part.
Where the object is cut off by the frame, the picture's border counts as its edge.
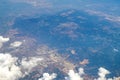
(75, 76)
(102, 73)
(73, 51)
(47, 76)
(28, 63)
(16, 44)
(9, 70)
(72, 75)
(81, 71)
(115, 50)
(3, 40)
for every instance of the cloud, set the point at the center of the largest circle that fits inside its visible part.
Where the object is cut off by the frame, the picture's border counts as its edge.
(75, 76)
(47, 76)
(72, 75)
(102, 73)
(13, 69)
(16, 44)
(3, 40)
(28, 63)
(9, 69)
(73, 51)
(115, 50)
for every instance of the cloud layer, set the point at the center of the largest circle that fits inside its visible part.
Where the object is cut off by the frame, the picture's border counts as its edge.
(16, 44)
(3, 40)
(75, 76)
(47, 76)
(9, 69)
(12, 69)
